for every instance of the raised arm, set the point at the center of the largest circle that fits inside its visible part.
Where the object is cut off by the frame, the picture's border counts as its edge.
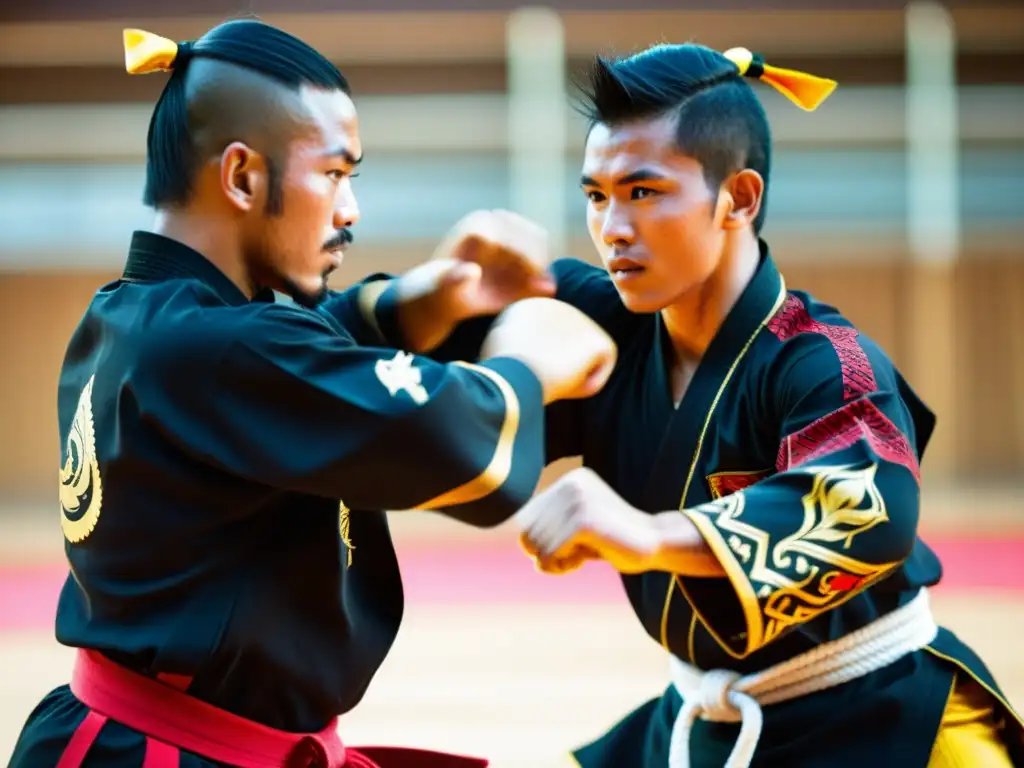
(839, 514)
(489, 260)
(294, 405)
(391, 311)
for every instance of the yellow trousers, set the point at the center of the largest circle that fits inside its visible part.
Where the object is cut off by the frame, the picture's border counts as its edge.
(969, 735)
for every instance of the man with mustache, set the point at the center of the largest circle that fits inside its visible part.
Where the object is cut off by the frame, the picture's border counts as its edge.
(233, 584)
(752, 465)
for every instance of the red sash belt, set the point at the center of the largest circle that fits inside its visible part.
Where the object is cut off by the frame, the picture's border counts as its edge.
(173, 721)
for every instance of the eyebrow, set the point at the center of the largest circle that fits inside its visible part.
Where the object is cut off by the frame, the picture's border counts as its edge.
(344, 154)
(636, 177)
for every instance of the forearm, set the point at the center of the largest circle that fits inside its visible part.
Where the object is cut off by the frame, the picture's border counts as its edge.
(358, 416)
(406, 314)
(681, 549)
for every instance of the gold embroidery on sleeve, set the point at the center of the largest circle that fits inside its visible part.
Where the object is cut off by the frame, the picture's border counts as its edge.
(804, 577)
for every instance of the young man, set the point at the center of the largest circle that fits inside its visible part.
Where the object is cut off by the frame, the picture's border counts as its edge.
(752, 466)
(232, 588)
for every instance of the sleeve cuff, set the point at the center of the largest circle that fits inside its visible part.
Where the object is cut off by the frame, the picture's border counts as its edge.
(378, 305)
(517, 459)
(524, 381)
(772, 584)
(513, 471)
(522, 444)
(738, 626)
(528, 451)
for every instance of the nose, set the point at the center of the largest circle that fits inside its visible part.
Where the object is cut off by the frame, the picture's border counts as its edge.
(346, 209)
(617, 229)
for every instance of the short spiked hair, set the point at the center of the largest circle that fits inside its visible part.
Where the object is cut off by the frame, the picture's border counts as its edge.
(720, 121)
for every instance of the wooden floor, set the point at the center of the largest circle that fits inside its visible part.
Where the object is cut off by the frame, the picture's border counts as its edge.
(520, 683)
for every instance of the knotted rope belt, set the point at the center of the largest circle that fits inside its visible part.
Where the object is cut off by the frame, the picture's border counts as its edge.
(723, 696)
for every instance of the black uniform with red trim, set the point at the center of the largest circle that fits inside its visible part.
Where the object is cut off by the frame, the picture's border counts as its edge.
(796, 451)
(224, 463)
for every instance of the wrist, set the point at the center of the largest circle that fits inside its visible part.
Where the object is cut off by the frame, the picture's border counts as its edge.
(680, 548)
(424, 318)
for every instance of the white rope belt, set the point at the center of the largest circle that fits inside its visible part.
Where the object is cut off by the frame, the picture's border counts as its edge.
(722, 696)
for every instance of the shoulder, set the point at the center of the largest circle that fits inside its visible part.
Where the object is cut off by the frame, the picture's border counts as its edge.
(205, 336)
(591, 290)
(282, 330)
(575, 276)
(821, 370)
(811, 340)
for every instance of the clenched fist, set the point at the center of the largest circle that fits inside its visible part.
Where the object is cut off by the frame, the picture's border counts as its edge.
(489, 260)
(579, 518)
(571, 354)
(511, 255)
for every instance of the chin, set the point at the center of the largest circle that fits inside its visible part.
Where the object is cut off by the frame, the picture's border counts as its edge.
(642, 302)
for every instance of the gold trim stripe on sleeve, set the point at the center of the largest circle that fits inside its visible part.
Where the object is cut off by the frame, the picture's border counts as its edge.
(368, 297)
(497, 471)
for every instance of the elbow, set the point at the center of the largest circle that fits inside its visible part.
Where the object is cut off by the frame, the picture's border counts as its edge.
(904, 546)
(904, 515)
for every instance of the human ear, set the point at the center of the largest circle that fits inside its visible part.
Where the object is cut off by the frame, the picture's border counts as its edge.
(243, 173)
(745, 189)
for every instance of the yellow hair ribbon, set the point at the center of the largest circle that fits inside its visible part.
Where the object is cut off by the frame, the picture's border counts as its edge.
(804, 90)
(145, 52)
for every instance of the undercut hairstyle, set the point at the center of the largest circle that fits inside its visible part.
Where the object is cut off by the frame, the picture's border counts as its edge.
(720, 122)
(239, 81)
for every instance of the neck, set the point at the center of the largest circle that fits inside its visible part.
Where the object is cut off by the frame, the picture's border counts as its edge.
(693, 320)
(206, 234)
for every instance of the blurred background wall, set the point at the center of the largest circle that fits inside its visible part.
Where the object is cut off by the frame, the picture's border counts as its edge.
(900, 200)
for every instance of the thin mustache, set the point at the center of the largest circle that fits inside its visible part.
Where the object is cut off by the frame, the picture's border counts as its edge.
(342, 237)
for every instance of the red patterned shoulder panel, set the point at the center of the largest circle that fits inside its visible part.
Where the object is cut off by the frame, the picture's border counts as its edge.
(794, 319)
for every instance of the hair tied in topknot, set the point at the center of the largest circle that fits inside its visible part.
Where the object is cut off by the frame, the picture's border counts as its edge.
(184, 55)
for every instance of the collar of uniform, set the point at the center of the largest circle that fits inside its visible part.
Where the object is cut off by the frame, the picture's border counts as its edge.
(153, 257)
